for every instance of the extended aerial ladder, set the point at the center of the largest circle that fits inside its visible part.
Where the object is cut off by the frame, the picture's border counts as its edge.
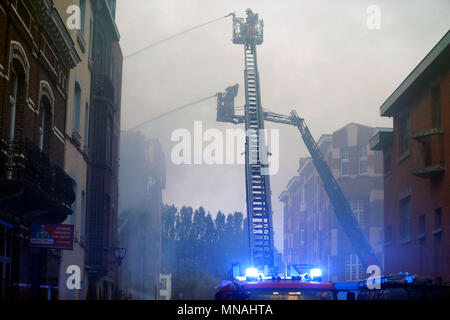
(249, 32)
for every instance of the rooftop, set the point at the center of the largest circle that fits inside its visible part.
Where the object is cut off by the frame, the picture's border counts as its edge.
(439, 53)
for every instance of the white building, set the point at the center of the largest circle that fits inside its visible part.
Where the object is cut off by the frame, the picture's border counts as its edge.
(165, 286)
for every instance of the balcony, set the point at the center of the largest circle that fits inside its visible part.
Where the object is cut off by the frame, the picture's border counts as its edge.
(103, 87)
(30, 187)
(429, 159)
(429, 172)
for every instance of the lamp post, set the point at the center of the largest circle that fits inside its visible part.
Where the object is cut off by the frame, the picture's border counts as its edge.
(119, 254)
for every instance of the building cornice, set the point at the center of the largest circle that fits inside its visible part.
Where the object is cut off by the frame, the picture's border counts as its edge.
(104, 11)
(56, 29)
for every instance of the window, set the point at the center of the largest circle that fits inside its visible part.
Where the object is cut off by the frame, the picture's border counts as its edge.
(91, 39)
(17, 91)
(73, 216)
(86, 126)
(42, 129)
(436, 105)
(76, 108)
(362, 154)
(13, 101)
(359, 211)
(362, 166)
(438, 218)
(108, 141)
(422, 226)
(83, 212)
(345, 153)
(45, 124)
(345, 161)
(353, 268)
(405, 227)
(362, 151)
(163, 285)
(345, 168)
(404, 134)
(82, 15)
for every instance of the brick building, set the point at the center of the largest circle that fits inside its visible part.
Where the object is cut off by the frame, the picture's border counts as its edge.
(103, 160)
(36, 55)
(416, 176)
(312, 234)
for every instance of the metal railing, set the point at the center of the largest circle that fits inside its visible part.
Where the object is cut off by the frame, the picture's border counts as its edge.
(22, 160)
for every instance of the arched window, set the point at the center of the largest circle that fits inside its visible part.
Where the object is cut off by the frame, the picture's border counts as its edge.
(45, 124)
(14, 83)
(16, 97)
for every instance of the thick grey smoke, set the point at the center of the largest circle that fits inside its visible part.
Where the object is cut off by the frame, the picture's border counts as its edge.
(318, 57)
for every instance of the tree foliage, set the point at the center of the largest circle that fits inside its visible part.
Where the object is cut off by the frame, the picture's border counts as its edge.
(199, 250)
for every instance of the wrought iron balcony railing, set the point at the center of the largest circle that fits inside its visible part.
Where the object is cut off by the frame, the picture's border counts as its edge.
(22, 160)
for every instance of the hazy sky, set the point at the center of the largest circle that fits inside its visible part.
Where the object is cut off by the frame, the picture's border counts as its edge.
(318, 57)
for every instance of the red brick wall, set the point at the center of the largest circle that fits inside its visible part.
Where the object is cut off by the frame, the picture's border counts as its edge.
(430, 255)
(27, 121)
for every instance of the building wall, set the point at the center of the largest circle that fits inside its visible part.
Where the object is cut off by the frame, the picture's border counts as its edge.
(76, 151)
(32, 42)
(425, 250)
(312, 233)
(103, 154)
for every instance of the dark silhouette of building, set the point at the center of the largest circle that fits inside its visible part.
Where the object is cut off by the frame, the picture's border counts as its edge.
(142, 179)
(416, 169)
(103, 162)
(36, 55)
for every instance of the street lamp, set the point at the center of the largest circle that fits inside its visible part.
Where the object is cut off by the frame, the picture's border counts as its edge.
(119, 254)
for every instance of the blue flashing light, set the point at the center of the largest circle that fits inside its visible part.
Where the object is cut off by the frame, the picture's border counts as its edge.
(251, 273)
(315, 273)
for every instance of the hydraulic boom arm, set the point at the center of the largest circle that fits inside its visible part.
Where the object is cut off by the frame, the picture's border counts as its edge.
(340, 204)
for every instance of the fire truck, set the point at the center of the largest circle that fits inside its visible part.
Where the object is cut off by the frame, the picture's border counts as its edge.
(255, 286)
(309, 286)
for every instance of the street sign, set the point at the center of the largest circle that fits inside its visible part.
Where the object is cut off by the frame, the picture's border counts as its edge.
(52, 236)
